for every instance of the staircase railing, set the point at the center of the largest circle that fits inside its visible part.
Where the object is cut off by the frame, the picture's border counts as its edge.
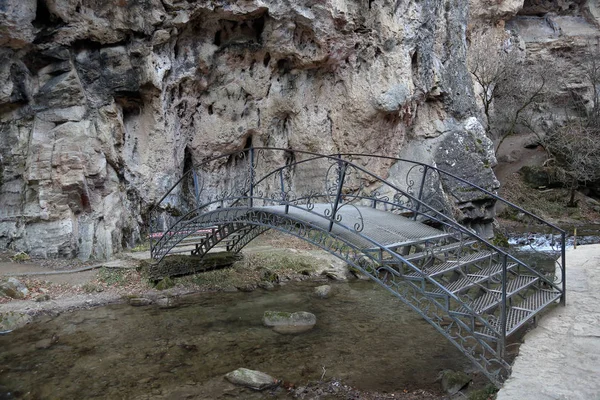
(468, 192)
(260, 177)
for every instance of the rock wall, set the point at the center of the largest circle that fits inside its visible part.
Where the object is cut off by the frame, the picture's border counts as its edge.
(102, 101)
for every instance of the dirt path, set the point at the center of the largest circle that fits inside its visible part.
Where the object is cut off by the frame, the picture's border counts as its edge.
(512, 156)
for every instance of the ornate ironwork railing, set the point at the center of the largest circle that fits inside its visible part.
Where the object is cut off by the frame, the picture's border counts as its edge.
(336, 203)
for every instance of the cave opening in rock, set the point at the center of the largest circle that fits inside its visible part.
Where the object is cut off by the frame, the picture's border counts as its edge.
(191, 187)
(44, 18)
(248, 143)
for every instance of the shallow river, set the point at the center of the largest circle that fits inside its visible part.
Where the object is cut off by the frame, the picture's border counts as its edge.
(363, 336)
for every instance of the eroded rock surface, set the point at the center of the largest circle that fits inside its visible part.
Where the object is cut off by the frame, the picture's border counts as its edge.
(102, 103)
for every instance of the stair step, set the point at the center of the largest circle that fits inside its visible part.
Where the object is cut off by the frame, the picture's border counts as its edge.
(448, 266)
(439, 250)
(493, 297)
(518, 315)
(411, 242)
(432, 238)
(475, 278)
(538, 300)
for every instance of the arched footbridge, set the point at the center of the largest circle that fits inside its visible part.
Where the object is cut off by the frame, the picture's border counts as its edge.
(402, 230)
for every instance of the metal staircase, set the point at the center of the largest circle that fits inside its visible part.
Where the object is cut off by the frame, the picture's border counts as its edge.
(474, 293)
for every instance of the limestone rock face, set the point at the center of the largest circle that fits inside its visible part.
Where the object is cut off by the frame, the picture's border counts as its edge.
(102, 102)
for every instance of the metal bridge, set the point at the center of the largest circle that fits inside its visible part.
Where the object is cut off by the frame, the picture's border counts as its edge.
(402, 233)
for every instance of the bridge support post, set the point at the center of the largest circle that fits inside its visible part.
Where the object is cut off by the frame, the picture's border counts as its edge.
(196, 188)
(502, 338)
(284, 197)
(563, 239)
(252, 176)
(338, 196)
(418, 205)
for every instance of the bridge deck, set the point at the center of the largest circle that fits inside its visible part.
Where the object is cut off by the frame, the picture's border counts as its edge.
(383, 227)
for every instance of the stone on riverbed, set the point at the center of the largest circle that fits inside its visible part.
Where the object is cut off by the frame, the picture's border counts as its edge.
(253, 379)
(139, 301)
(323, 291)
(285, 322)
(166, 302)
(11, 321)
(454, 381)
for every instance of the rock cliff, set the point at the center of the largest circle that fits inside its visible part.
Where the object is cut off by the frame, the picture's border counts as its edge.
(101, 102)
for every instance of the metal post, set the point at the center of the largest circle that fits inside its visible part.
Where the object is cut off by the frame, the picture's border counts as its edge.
(251, 176)
(420, 192)
(502, 341)
(563, 298)
(283, 196)
(151, 232)
(196, 188)
(341, 177)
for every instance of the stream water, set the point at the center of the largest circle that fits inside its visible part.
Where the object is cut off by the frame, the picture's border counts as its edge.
(364, 336)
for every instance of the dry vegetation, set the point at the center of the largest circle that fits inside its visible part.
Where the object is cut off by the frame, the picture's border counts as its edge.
(549, 204)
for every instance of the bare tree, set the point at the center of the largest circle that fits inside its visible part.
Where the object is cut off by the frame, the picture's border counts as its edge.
(574, 151)
(510, 89)
(488, 65)
(573, 146)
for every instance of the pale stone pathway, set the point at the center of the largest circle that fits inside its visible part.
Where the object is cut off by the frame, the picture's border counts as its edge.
(560, 359)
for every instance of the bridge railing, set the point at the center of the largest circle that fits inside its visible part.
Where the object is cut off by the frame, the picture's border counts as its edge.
(470, 204)
(258, 177)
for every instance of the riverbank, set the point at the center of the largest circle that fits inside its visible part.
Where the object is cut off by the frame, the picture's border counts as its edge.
(560, 359)
(56, 286)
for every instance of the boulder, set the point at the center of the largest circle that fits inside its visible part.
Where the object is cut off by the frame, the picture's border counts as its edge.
(323, 291)
(253, 379)
(166, 302)
(454, 381)
(285, 322)
(13, 288)
(248, 287)
(11, 321)
(536, 177)
(42, 297)
(266, 285)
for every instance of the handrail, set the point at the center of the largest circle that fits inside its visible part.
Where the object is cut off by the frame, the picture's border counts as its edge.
(347, 184)
(419, 202)
(487, 192)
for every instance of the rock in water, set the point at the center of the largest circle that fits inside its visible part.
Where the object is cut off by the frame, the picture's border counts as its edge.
(284, 322)
(323, 292)
(139, 301)
(253, 379)
(11, 321)
(166, 302)
(454, 381)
